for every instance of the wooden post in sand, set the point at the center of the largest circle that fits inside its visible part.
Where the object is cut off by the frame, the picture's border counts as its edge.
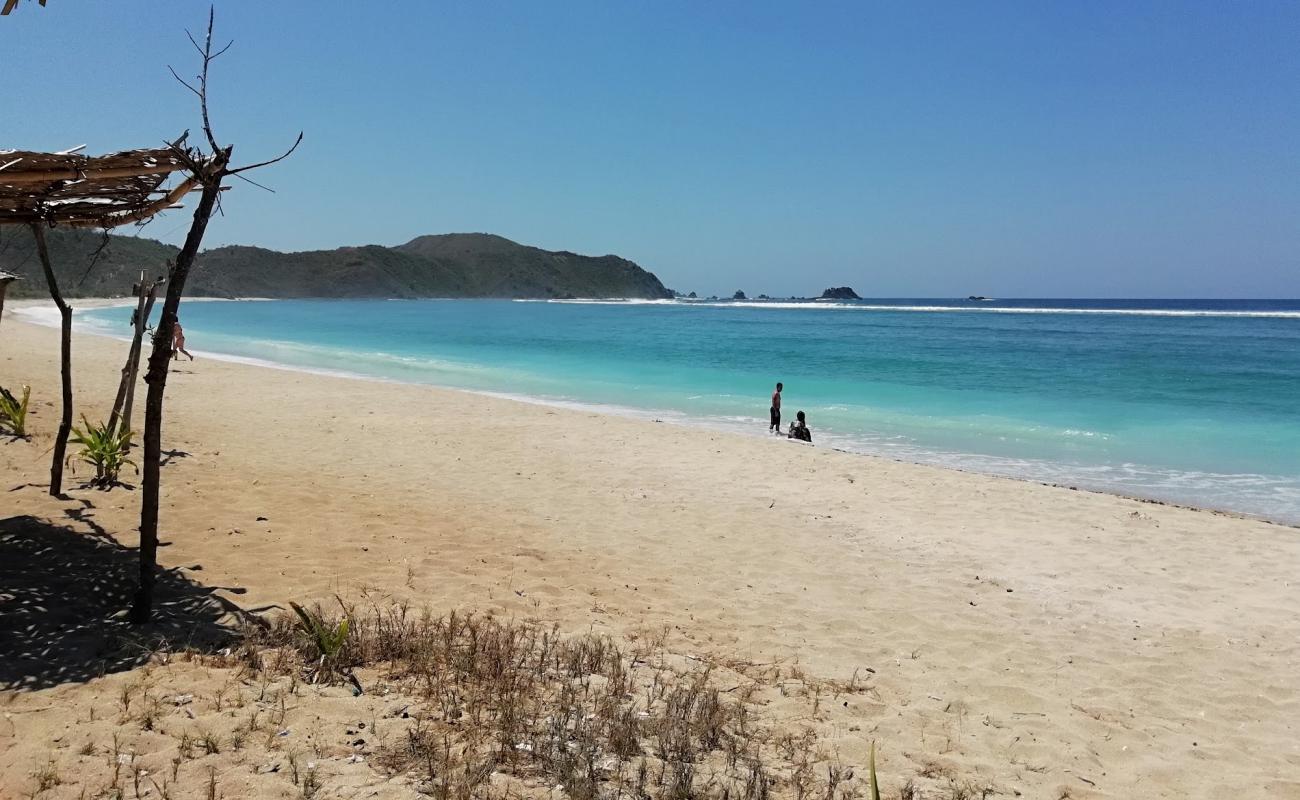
(6, 278)
(121, 414)
(156, 378)
(65, 361)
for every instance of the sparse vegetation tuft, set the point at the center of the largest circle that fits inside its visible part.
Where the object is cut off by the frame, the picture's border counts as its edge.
(104, 448)
(13, 412)
(507, 707)
(471, 707)
(328, 639)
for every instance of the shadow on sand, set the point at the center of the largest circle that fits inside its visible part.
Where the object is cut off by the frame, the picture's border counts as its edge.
(63, 594)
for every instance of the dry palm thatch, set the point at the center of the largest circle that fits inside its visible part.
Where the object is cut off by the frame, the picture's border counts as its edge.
(66, 188)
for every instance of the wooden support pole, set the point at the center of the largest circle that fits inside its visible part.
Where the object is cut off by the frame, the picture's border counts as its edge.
(121, 413)
(156, 378)
(141, 324)
(65, 362)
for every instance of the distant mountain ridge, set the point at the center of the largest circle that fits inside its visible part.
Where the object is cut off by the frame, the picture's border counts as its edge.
(444, 265)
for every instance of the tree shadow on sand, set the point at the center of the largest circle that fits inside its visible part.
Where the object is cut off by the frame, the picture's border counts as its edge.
(63, 594)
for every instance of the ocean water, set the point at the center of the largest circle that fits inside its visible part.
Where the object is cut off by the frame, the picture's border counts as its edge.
(1193, 402)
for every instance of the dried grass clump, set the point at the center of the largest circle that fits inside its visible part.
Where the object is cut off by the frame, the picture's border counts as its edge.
(510, 708)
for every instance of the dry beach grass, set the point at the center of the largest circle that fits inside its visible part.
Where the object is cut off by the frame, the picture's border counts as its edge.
(988, 634)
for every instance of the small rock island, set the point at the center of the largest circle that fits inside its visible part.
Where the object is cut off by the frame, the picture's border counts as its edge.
(840, 293)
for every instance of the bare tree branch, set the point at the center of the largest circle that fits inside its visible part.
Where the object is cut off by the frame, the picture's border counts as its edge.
(104, 242)
(196, 44)
(286, 154)
(186, 157)
(255, 183)
(206, 54)
(183, 82)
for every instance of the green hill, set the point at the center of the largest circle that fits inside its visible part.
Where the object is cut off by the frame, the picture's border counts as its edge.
(448, 265)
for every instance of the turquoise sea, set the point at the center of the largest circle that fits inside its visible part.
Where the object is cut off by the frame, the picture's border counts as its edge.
(1194, 402)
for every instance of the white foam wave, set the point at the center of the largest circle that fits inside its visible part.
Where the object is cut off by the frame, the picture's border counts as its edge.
(602, 301)
(39, 315)
(839, 306)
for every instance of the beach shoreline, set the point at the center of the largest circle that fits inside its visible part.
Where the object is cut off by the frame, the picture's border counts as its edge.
(27, 309)
(1026, 636)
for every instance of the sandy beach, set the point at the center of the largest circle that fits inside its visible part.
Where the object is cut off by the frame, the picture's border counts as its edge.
(1033, 640)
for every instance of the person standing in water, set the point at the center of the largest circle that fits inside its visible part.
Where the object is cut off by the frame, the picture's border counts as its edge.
(775, 426)
(178, 341)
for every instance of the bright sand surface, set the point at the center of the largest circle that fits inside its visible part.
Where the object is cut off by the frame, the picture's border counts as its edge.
(1043, 641)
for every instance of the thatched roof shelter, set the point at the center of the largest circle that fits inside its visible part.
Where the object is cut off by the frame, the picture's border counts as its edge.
(106, 191)
(40, 190)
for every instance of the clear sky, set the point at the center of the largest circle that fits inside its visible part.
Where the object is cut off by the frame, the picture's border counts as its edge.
(1099, 149)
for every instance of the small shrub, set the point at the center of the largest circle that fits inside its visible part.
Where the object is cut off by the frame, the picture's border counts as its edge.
(209, 742)
(47, 777)
(328, 643)
(105, 448)
(13, 412)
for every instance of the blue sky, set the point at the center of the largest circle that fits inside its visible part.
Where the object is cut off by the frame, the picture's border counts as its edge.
(907, 149)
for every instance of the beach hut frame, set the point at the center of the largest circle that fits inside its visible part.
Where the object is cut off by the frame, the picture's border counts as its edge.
(42, 190)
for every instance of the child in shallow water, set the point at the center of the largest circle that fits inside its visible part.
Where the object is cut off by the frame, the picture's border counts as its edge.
(799, 429)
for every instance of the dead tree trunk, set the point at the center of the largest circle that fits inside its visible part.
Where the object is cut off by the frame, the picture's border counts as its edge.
(156, 378)
(65, 362)
(121, 414)
(209, 172)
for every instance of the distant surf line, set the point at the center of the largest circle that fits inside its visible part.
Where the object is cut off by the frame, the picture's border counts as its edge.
(815, 304)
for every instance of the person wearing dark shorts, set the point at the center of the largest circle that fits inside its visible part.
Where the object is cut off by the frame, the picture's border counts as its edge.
(775, 427)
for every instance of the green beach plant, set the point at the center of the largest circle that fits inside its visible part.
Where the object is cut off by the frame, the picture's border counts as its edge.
(328, 643)
(13, 412)
(105, 448)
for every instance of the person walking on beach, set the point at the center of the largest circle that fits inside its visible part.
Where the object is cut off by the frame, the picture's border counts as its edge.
(775, 427)
(799, 429)
(178, 342)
